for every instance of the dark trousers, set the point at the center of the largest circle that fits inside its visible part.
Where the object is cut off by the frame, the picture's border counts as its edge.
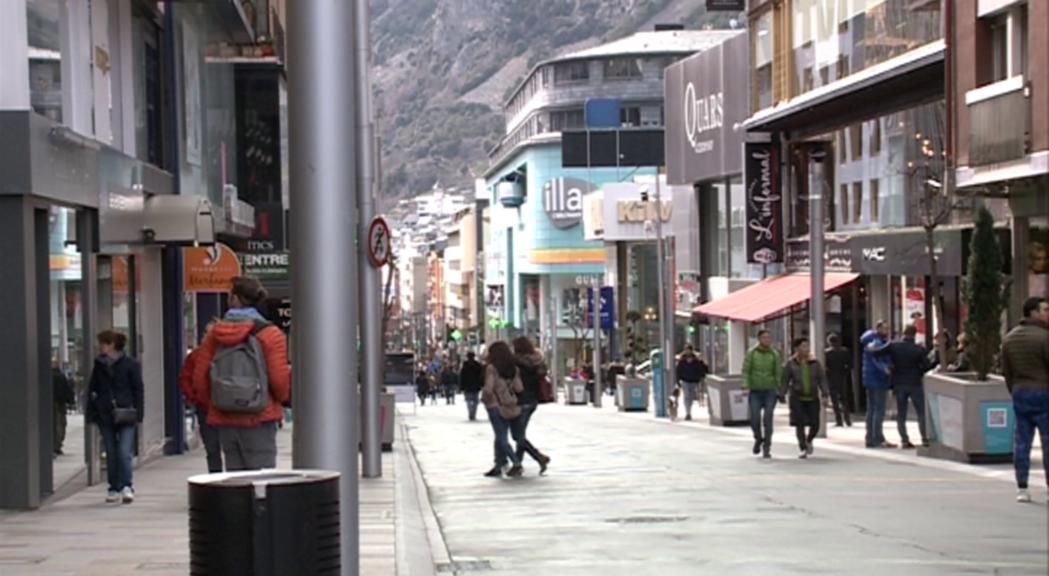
(249, 448)
(471, 404)
(876, 401)
(805, 414)
(839, 401)
(119, 441)
(501, 428)
(1032, 412)
(916, 397)
(519, 429)
(60, 427)
(212, 445)
(449, 395)
(762, 400)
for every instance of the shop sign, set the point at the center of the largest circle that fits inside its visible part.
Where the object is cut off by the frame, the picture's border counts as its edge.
(637, 211)
(563, 201)
(266, 265)
(837, 255)
(726, 5)
(209, 269)
(907, 253)
(764, 231)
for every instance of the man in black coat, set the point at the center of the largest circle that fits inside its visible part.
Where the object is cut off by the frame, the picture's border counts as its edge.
(839, 378)
(910, 363)
(471, 380)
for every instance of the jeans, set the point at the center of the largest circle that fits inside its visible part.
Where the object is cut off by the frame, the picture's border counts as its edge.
(119, 442)
(762, 400)
(917, 397)
(876, 400)
(1032, 412)
(212, 445)
(692, 391)
(449, 395)
(501, 427)
(471, 404)
(518, 429)
(249, 448)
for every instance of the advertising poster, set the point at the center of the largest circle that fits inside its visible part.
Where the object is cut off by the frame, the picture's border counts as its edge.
(764, 231)
(914, 310)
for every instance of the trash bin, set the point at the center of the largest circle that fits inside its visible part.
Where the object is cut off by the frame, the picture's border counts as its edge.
(632, 394)
(267, 523)
(575, 391)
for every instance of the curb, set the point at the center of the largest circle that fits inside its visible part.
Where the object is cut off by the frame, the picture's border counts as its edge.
(420, 543)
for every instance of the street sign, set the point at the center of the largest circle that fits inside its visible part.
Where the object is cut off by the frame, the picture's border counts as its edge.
(379, 242)
(457, 335)
(607, 306)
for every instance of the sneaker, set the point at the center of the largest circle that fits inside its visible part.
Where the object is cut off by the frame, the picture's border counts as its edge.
(888, 445)
(1023, 496)
(757, 447)
(112, 496)
(544, 461)
(127, 495)
(906, 445)
(496, 472)
(515, 472)
(804, 454)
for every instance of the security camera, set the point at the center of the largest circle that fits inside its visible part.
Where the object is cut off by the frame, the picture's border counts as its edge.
(149, 235)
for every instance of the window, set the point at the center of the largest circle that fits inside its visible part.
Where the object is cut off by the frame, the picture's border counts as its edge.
(630, 116)
(856, 141)
(874, 201)
(857, 202)
(875, 136)
(761, 55)
(999, 48)
(547, 74)
(843, 149)
(561, 120)
(571, 72)
(621, 68)
(43, 19)
(844, 202)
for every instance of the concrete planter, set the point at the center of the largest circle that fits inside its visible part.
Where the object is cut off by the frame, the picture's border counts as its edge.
(632, 394)
(968, 420)
(725, 401)
(575, 391)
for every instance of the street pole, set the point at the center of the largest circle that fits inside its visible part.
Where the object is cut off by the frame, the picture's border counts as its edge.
(665, 334)
(596, 314)
(370, 276)
(817, 314)
(322, 147)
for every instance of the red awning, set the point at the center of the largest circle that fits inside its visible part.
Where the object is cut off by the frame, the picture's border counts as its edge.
(770, 297)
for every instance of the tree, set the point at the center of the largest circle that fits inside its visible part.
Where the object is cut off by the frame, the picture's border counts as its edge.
(983, 289)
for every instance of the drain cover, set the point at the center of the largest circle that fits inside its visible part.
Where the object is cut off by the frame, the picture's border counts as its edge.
(463, 566)
(647, 519)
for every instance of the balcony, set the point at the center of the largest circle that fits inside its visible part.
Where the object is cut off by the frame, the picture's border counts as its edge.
(1000, 122)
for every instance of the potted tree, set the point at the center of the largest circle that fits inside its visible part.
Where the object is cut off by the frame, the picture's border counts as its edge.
(969, 414)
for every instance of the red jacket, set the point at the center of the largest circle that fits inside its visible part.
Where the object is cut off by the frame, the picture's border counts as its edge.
(274, 347)
(185, 380)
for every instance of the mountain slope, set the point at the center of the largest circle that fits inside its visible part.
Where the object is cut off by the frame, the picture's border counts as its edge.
(444, 67)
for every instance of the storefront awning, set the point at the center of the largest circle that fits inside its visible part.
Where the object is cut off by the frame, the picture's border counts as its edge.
(770, 297)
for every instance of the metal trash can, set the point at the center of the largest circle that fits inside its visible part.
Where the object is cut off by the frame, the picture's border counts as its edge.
(575, 391)
(268, 523)
(632, 394)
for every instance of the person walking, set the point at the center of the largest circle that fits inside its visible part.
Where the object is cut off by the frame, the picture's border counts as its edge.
(877, 378)
(502, 384)
(433, 376)
(115, 404)
(804, 383)
(208, 435)
(422, 385)
(449, 382)
(839, 379)
(532, 369)
(762, 373)
(63, 397)
(1025, 366)
(471, 380)
(691, 373)
(910, 362)
(244, 348)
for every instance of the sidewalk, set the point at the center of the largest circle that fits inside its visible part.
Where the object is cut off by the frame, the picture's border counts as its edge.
(82, 535)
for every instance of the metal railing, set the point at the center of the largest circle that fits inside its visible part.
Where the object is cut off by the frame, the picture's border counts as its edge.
(1000, 122)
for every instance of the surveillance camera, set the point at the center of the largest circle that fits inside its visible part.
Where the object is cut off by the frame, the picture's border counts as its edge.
(149, 235)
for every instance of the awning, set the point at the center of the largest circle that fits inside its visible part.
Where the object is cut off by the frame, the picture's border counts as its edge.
(771, 296)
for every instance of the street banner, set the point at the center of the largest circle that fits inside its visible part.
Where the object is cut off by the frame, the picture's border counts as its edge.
(764, 234)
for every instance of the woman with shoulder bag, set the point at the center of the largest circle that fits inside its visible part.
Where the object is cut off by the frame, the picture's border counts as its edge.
(115, 405)
(502, 384)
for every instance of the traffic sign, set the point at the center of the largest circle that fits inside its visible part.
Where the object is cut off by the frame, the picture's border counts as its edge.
(379, 242)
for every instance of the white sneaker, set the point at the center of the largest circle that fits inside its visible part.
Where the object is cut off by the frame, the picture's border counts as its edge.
(112, 496)
(127, 495)
(1023, 496)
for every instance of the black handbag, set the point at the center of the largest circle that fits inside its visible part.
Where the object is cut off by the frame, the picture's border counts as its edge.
(124, 416)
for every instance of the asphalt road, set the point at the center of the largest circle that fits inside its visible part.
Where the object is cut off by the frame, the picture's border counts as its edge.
(628, 495)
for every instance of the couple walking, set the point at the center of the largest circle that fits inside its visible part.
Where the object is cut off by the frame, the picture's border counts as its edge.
(511, 394)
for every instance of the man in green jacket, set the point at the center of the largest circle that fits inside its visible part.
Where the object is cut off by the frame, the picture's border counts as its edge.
(762, 374)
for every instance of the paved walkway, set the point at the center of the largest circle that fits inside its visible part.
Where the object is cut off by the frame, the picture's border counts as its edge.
(84, 536)
(627, 494)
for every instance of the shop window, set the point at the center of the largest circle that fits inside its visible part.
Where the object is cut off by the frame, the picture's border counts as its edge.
(844, 202)
(622, 68)
(874, 200)
(567, 72)
(857, 202)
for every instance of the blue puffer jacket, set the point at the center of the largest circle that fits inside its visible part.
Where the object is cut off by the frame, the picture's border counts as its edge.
(877, 366)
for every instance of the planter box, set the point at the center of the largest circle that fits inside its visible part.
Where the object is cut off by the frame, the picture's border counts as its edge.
(632, 393)
(968, 420)
(725, 401)
(575, 391)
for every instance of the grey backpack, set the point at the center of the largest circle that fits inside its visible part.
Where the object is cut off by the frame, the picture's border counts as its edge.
(239, 380)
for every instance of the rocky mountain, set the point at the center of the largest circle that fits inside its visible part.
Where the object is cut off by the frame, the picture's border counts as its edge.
(443, 69)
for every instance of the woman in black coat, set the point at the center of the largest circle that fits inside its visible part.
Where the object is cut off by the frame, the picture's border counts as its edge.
(115, 404)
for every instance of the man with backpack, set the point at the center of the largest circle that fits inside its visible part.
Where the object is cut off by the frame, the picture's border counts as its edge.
(243, 371)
